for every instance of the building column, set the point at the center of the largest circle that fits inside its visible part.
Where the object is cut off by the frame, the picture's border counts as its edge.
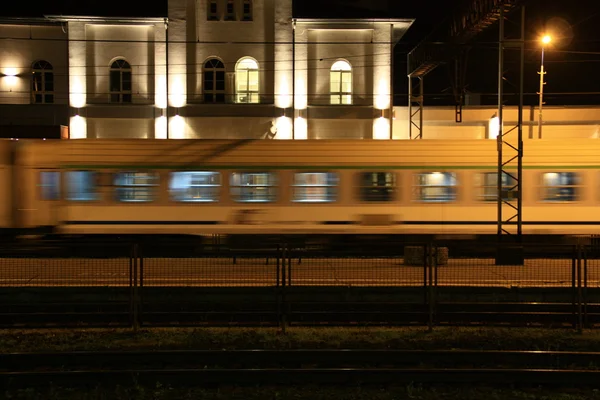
(301, 83)
(77, 80)
(160, 81)
(382, 50)
(283, 69)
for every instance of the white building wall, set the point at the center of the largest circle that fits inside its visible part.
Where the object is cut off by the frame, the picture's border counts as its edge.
(223, 40)
(27, 44)
(559, 122)
(328, 46)
(135, 44)
(120, 128)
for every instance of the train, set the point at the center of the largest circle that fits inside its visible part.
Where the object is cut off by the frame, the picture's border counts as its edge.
(313, 187)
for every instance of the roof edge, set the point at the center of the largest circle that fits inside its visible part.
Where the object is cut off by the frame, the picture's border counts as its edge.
(83, 18)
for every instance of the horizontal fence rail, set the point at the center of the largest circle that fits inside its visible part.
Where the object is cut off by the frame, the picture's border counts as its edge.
(282, 283)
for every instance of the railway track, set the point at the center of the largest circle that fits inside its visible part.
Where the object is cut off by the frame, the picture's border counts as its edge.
(276, 367)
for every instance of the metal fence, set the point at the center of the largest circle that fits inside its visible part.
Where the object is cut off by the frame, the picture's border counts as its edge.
(286, 284)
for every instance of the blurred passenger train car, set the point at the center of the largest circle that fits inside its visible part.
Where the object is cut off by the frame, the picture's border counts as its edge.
(197, 187)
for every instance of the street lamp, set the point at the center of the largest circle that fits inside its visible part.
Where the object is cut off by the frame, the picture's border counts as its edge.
(546, 39)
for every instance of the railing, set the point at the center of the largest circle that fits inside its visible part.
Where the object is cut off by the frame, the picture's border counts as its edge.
(288, 282)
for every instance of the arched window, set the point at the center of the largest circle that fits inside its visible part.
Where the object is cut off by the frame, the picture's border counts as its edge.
(246, 81)
(340, 78)
(42, 83)
(120, 82)
(214, 81)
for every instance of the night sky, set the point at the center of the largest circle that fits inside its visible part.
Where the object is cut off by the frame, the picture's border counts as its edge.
(572, 63)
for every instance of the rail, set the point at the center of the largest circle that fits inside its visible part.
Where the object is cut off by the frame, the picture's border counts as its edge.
(256, 367)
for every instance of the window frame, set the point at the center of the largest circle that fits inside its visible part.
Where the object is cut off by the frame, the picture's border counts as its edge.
(576, 187)
(418, 188)
(241, 73)
(45, 71)
(151, 191)
(218, 187)
(272, 189)
(331, 191)
(393, 196)
(217, 96)
(343, 69)
(120, 68)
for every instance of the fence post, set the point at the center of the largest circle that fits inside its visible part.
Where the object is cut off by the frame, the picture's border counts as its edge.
(428, 248)
(136, 323)
(585, 285)
(579, 289)
(278, 283)
(283, 320)
(141, 288)
(574, 261)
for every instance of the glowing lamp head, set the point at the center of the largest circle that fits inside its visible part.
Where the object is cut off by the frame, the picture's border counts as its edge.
(546, 39)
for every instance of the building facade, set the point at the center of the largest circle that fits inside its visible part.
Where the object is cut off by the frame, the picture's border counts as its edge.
(214, 69)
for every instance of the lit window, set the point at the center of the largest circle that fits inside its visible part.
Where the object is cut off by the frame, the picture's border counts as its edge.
(487, 183)
(253, 187)
(340, 79)
(50, 185)
(560, 186)
(230, 10)
(195, 186)
(135, 186)
(377, 186)
(435, 187)
(42, 83)
(81, 186)
(213, 11)
(315, 187)
(120, 82)
(246, 81)
(214, 81)
(247, 10)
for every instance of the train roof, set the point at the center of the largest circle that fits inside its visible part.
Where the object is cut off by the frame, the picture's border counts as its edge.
(334, 154)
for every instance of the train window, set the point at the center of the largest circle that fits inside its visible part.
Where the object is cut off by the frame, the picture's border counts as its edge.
(253, 187)
(377, 186)
(560, 186)
(50, 185)
(487, 184)
(315, 187)
(435, 186)
(195, 186)
(81, 186)
(135, 186)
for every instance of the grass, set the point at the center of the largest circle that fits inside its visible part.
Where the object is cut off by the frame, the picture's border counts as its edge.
(48, 340)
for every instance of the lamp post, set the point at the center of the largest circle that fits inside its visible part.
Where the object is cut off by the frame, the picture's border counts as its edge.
(545, 40)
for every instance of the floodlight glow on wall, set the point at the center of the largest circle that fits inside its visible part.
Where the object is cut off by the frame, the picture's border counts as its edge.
(78, 127)
(493, 127)
(177, 127)
(160, 127)
(284, 128)
(381, 128)
(10, 77)
(300, 129)
(382, 97)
